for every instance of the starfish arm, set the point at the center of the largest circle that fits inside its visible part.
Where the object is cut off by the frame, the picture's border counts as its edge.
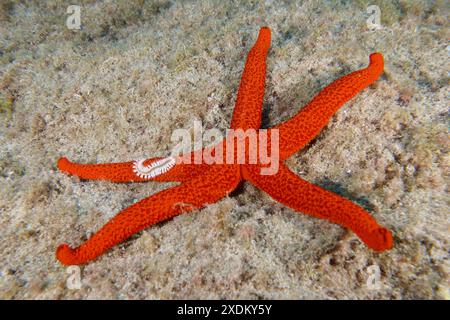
(208, 188)
(124, 171)
(298, 194)
(248, 107)
(303, 127)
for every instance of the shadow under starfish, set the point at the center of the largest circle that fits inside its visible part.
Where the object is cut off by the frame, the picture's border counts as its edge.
(203, 184)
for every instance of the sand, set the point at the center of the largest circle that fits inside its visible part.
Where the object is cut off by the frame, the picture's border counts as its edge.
(116, 90)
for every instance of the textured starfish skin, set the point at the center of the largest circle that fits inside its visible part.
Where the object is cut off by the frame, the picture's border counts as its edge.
(207, 188)
(203, 184)
(287, 188)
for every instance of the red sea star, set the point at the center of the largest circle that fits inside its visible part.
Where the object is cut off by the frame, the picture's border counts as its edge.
(203, 183)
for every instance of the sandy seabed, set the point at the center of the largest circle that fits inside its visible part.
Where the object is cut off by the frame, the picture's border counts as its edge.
(137, 70)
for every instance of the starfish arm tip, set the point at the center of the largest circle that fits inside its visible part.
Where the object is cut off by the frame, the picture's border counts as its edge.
(379, 239)
(63, 163)
(65, 255)
(265, 30)
(264, 37)
(376, 56)
(376, 61)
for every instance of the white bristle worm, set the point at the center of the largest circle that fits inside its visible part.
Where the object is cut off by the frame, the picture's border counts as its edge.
(154, 169)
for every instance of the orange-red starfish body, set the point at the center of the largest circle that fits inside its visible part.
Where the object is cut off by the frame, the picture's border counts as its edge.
(203, 183)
